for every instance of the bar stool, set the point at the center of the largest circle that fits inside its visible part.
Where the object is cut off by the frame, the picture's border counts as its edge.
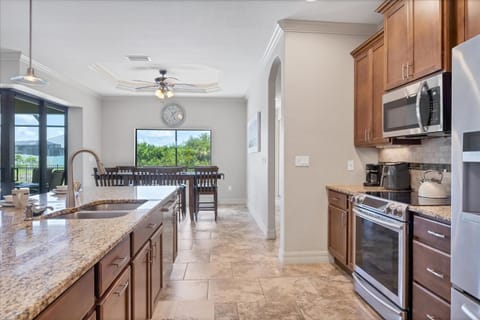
(205, 183)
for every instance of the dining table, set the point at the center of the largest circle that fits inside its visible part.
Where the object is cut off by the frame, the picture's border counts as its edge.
(186, 177)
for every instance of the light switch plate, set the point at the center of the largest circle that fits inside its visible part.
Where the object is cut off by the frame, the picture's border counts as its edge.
(350, 166)
(302, 161)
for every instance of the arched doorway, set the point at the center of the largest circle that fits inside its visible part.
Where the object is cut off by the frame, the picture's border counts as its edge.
(275, 150)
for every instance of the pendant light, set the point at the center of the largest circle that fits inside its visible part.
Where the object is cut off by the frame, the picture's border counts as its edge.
(30, 78)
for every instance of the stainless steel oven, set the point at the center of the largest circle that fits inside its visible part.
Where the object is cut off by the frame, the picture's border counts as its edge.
(381, 260)
(420, 108)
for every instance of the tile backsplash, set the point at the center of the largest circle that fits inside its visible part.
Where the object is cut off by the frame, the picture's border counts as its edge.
(434, 150)
(434, 153)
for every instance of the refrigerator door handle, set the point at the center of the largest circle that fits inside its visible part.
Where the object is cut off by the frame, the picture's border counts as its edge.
(469, 313)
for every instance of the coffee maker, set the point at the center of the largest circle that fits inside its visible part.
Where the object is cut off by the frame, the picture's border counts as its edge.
(373, 174)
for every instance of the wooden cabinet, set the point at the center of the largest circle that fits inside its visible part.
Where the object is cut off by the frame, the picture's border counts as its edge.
(116, 303)
(156, 266)
(141, 284)
(369, 72)
(418, 39)
(339, 229)
(468, 22)
(111, 265)
(431, 269)
(75, 303)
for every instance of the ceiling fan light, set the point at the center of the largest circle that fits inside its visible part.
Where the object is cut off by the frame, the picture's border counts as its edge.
(30, 79)
(159, 94)
(169, 93)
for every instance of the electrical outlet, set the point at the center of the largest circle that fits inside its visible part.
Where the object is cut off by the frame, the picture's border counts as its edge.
(302, 161)
(350, 166)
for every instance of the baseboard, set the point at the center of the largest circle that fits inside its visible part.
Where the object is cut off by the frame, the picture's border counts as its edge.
(303, 257)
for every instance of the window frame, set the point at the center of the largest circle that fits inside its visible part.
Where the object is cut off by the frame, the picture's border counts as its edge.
(176, 142)
(8, 97)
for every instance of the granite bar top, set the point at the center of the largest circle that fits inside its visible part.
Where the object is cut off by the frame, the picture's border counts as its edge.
(41, 258)
(439, 213)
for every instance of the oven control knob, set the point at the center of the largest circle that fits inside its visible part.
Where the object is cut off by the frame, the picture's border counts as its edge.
(359, 198)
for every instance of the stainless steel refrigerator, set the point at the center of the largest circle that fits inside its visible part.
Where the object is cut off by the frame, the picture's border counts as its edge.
(465, 271)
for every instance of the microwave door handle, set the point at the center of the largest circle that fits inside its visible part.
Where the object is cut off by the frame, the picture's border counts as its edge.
(417, 105)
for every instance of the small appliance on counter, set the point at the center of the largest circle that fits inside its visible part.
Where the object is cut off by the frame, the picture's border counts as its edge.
(373, 173)
(395, 176)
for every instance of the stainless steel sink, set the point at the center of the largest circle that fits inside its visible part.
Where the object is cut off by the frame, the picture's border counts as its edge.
(116, 206)
(92, 215)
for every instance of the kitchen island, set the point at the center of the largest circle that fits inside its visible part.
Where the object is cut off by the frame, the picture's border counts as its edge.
(42, 258)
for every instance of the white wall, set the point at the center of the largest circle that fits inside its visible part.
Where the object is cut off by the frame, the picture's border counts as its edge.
(84, 123)
(318, 113)
(225, 117)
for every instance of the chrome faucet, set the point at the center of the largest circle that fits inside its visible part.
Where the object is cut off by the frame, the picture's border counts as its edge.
(71, 192)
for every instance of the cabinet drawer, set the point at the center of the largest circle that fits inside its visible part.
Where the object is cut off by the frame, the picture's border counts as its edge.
(426, 305)
(433, 233)
(145, 229)
(337, 199)
(116, 305)
(111, 265)
(431, 268)
(74, 303)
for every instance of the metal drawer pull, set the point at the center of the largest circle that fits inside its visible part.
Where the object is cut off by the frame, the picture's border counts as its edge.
(438, 235)
(469, 313)
(151, 225)
(122, 290)
(335, 199)
(119, 261)
(429, 317)
(436, 274)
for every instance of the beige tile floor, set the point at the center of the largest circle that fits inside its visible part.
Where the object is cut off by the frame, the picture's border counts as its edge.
(228, 271)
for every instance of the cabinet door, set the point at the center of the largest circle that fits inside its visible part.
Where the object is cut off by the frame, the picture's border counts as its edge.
(156, 266)
(141, 284)
(397, 43)
(117, 302)
(427, 38)
(363, 99)
(468, 23)
(376, 130)
(337, 233)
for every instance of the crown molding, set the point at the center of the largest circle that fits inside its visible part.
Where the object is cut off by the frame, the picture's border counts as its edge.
(306, 26)
(35, 93)
(9, 55)
(57, 76)
(272, 43)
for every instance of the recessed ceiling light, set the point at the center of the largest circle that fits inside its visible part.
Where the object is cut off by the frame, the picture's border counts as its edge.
(139, 58)
(310, 0)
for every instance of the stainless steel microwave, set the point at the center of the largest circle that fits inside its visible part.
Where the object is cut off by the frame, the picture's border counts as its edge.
(418, 109)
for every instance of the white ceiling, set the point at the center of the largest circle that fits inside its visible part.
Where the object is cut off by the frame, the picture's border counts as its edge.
(199, 41)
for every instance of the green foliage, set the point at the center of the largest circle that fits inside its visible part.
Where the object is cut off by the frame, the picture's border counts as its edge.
(194, 152)
(26, 160)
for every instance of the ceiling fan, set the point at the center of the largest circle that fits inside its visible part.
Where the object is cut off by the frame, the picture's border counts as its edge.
(165, 86)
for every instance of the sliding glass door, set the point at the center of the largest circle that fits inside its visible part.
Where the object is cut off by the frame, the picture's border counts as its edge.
(33, 142)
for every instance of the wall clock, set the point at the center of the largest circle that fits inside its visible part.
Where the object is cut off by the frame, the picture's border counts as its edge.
(173, 115)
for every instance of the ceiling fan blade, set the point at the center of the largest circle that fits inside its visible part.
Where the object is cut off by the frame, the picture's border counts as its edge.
(145, 87)
(143, 81)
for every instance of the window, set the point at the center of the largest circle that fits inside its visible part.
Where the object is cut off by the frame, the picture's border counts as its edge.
(33, 139)
(168, 147)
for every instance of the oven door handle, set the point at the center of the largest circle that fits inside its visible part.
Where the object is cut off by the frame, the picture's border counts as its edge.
(359, 282)
(417, 106)
(378, 221)
(469, 313)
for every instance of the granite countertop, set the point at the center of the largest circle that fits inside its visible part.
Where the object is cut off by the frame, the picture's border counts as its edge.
(439, 213)
(43, 257)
